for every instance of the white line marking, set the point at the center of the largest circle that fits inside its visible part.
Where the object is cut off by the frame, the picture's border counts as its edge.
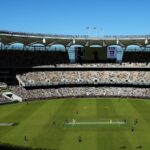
(95, 123)
(6, 124)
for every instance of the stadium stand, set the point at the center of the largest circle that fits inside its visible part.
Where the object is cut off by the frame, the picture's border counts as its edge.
(88, 80)
(85, 77)
(99, 65)
(41, 35)
(4, 100)
(81, 92)
(40, 74)
(3, 85)
(16, 58)
(140, 57)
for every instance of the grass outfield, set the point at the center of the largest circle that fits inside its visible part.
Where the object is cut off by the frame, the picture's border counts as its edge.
(44, 124)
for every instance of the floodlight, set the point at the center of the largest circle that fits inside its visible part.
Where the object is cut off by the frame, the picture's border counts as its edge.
(74, 41)
(146, 41)
(117, 42)
(44, 41)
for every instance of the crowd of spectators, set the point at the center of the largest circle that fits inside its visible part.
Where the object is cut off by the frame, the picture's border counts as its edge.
(3, 85)
(85, 77)
(100, 65)
(81, 92)
(3, 100)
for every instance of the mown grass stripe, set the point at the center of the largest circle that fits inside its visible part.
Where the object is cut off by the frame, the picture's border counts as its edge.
(110, 138)
(52, 135)
(21, 116)
(126, 110)
(37, 124)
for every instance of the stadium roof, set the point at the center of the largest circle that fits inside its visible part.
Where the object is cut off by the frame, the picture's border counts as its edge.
(8, 38)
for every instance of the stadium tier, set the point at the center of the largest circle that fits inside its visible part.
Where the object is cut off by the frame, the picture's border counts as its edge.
(16, 58)
(36, 72)
(136, 57)
(20, 58)
(126, 92)
(75, 80)
(3, 85)
(50, 78)
(3, 100)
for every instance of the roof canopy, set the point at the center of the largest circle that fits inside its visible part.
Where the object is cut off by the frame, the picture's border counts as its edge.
(7, 37)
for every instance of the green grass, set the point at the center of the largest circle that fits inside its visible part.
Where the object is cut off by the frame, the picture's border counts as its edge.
(35, 120)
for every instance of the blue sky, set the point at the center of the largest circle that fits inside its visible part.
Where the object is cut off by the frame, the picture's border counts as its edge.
(111, 17)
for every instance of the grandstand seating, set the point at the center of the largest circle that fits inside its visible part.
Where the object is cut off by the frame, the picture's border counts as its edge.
(85, 77)
(4, 100)
(105, 74)
(47, 74)
(3, 85)
(101, 65)
(106, 65)
(81, 92)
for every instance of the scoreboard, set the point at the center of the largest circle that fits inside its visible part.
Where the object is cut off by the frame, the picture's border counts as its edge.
(111, 52)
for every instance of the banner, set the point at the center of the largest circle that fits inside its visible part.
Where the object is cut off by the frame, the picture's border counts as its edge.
(111, 52)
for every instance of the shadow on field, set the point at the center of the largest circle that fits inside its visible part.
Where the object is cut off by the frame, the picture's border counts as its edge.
(138, 147)
(15, 124)
(4, 146)
(123, 147)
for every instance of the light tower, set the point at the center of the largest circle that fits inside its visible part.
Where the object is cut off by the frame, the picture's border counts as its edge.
(44, 42)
